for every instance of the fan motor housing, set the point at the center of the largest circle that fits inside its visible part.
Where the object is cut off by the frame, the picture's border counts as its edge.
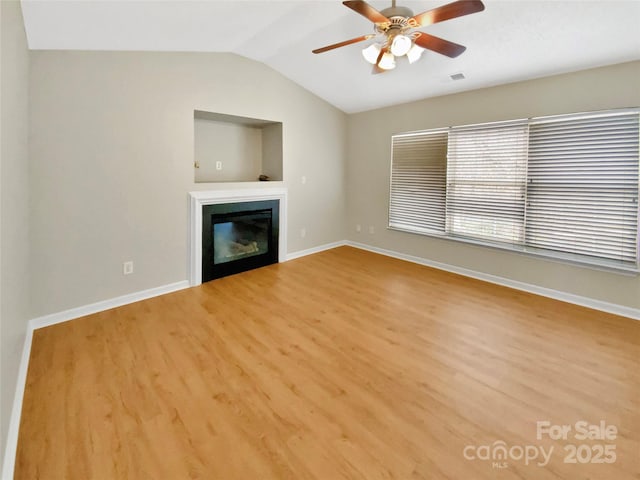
(396, 26)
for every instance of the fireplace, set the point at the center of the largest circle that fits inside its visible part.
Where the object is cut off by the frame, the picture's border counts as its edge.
(238, 236)
(237, 196)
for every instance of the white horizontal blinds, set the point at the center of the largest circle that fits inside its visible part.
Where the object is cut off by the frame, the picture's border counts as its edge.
(583, 185)
(418, 174)
(486, 176)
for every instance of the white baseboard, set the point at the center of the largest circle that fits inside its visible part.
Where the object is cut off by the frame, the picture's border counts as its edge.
(616, 309)
(11, 446)
(78, 312)
(321, 248)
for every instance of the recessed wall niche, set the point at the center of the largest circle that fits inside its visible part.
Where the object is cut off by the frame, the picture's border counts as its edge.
(230, 148)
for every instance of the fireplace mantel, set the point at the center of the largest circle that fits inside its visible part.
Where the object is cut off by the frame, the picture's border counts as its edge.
(210, 197)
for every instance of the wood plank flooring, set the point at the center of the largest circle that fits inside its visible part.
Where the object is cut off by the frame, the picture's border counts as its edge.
(340, 365)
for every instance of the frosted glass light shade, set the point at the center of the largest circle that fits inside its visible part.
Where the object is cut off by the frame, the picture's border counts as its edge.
(414, 53)
(371, 53)
(387, 62)
(401, 45)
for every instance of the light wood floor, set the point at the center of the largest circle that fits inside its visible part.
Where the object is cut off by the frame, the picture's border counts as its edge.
(339, 365)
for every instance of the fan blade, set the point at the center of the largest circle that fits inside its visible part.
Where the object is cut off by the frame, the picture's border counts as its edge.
(343, 44)
(366, 10)
(446, 12)
(440, 45)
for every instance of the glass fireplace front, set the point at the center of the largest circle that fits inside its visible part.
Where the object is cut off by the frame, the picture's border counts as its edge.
(238, 237)
(241, 236)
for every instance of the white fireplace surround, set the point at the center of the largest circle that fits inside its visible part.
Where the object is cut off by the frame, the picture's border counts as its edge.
(212, 197)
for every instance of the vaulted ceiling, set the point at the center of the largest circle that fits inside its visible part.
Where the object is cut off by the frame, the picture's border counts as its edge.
(509, 41)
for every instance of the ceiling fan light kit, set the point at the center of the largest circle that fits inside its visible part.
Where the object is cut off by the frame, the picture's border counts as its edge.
(401, 45)
(387, 62)
(397, 27)
(371, 53)
(414, 54)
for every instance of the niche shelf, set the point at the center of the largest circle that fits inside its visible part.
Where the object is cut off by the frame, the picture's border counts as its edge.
(230, 148)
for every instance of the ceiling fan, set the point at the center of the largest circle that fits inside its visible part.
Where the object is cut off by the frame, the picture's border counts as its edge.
(397, 27)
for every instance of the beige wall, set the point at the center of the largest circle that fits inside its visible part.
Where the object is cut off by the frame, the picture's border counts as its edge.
(368, 166)
(237, 147)
(112, 161)
(14, 198)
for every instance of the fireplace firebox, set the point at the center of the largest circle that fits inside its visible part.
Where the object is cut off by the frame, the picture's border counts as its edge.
(238, 236)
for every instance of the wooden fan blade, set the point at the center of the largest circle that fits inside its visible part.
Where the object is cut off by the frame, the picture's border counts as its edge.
(366, 10)
(440, 45)
(343, 44)
(447, 12)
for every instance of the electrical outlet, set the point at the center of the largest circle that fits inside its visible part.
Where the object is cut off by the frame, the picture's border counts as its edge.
(127, 268)
(218, 165)
(303, 180)
(303, 232)
(358, 228)
(371, 230)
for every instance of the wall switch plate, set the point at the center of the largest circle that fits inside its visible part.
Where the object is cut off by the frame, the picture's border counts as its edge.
(127, 268)
(303, 232)
(303, 180)
(218, 165)
(371, 229)
(358, 228)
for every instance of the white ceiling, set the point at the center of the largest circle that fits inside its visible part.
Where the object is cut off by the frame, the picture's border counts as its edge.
(508, 41)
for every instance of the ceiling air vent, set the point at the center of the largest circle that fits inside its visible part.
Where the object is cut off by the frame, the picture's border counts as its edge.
(457, 76)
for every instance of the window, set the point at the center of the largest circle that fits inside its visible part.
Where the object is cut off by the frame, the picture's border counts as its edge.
(583, 186)
(486, 178)
(563, 186)
(418, 181)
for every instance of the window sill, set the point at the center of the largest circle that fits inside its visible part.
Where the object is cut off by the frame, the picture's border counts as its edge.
(566, 258)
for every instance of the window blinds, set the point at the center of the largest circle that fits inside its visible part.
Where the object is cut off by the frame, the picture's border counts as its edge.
(418, 176)
(562, 187)
(583, 185)
(486, 174)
